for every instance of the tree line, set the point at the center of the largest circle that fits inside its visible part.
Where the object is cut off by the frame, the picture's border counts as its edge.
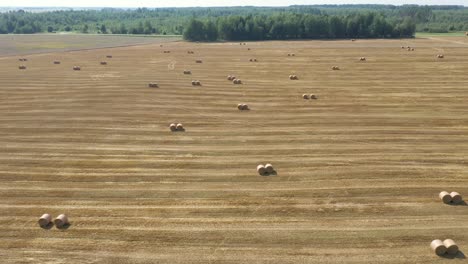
(298, 26)
(174, 21)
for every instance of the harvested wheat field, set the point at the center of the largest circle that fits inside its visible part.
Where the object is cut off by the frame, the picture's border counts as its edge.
(358, 172)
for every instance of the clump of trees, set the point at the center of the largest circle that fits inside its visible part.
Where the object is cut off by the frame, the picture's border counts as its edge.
(298, 26)
(318, 21)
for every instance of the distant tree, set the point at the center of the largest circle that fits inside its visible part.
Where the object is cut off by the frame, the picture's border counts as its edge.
(194, 31)
(50, 29)
(85, 29)
(103, 29)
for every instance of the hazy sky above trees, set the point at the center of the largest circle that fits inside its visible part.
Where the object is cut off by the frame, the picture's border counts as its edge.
(184, 3)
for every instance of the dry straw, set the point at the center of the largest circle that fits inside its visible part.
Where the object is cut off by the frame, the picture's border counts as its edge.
(61, 220)
(45, 220)
(445, 197)
(261, 169)
(456, 197)
(173, 127)
(451, 246)
(438, 247)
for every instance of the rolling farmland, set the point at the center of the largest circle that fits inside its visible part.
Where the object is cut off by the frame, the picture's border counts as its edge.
(359, 169)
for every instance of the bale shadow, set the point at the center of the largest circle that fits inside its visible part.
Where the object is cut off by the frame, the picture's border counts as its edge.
(273, 173)
(48, 226)
(64, 227)
(462, 203)
(459, 255)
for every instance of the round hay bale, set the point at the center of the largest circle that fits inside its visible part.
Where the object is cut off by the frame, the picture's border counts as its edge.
(230, 77)
(456, 197)
(179, 127)
(313, 96)
(56, 62)
(194, 83)
(289, 54)
(248, 48)
(269, 168)
(353, 40)
(198, 83)
(466, 34)
(261, 169)
(402, 47)
(305, 96)
(45, 220)
(173, 127)
(250, 60)
(22, 67)
(245, 107)
(451, 246)
(103, 63)
(76, 68)
(255, 60)
(187, 72)
(409, 49)
(109, 56)
(412, 49)
(153, 85)
(61, 220)
(199, 61)
(240, 106)
(438, 247)
(237, 81)
(362, 59)
(335, 68)
(445, 197)
(440, 56)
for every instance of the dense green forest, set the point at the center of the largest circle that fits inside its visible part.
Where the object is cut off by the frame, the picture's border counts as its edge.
(245, 23)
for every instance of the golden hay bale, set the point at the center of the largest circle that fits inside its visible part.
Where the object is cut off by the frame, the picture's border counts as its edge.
(250, 60)
(445, 197)
(45, 220)
(179, 127)
(261, 169)
(335, 68)
(466, 34)
(237, 81)
(240, 106)
(61, 220)
(173, 127)
(269, 168)
(56, 62)
(103, 63)
(440, 56)
(76, 68)
(231, 77)
(255, 60)
(362, 59)
(451, 246)
(194, 83)
(22, 67)
(353, 40)
(456, 197)
(199, 61)
(305, 96)
(248, 48)
(109, 56)
(412, 49)
(187, 72)
(153, 85)
(245, 107)
(402, 47)
(438, 247)
(409, 49)
(313, 96)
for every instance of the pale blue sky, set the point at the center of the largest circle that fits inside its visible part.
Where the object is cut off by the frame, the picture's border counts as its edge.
(184, 3)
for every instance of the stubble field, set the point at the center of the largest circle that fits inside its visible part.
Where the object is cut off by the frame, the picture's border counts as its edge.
(359, 169)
